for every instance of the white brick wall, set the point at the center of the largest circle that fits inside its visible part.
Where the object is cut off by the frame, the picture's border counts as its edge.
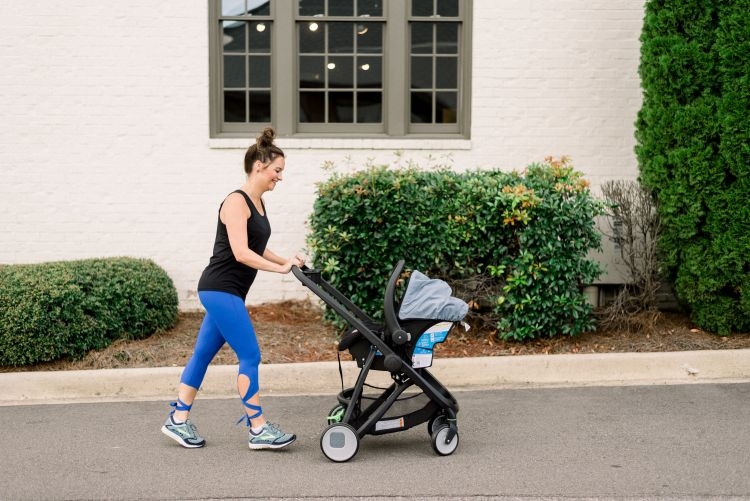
(104, 146)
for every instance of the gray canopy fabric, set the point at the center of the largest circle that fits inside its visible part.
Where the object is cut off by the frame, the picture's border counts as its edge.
(430, 298)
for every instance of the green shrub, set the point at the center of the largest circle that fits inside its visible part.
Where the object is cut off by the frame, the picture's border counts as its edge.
(65, 309)
(525, 237)
(693, 152)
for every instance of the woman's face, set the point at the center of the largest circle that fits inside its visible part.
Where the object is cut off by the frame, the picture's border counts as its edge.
(270, 174)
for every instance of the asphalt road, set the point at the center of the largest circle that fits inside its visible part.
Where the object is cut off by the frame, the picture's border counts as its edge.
(631, 442)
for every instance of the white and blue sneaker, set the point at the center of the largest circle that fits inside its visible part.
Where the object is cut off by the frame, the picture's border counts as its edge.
(185, 434)
(269, 437)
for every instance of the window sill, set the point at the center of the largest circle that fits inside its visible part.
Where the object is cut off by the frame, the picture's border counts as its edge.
(297, 143)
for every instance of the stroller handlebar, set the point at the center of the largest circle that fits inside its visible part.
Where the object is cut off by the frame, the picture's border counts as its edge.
(398, 335)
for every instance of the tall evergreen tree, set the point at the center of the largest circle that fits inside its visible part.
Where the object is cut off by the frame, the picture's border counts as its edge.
(691, 146)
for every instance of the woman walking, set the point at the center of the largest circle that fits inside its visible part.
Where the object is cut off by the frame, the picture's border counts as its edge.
(239, 252)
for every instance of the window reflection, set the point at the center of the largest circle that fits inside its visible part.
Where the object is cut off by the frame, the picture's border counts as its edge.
(311, 7)
(446, 104)
(340, 8)
(369, 8)
(233, 36)
(243, 8)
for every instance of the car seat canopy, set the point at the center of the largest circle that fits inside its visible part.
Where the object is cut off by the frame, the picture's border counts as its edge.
(430, 298)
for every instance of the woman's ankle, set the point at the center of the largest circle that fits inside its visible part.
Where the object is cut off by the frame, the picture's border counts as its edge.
(180, 416)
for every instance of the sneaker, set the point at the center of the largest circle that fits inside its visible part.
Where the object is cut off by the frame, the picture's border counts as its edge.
(270, 437)
(185, 434)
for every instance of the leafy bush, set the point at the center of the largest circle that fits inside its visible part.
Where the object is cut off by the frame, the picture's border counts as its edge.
(523, 236)
(53, 310)
(693, 152)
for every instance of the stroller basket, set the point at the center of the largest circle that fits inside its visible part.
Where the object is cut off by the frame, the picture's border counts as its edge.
(402, 346)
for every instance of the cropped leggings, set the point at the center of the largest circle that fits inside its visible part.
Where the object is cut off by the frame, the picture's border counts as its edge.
(227, 321)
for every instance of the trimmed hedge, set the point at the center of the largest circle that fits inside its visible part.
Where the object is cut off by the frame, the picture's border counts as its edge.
(694, 153)
(64, 309)
(526, 234)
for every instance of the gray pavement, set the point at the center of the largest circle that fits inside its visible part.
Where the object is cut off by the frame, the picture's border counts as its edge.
(612, 426)
(620, 442)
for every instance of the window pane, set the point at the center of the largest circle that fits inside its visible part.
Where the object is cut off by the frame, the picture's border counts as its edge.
(421, 107)
(234, 71)
(446, 107)
(341, 107)
(370, 38)
(447, 38)
(260, 71)
(369, 107)
(341, 37)
(311, 7)
(233, 36)
(260, 106)
(369, 72)
(311, 38)
(341, 72)
(259, 7)
(421, 38)
(447, 8)
(421, 72)
(421, 7)
(260, 37)
(232, 7)
(234, 106)
(340, 7)
(369, 7)
(311, 72)
(446, 72)
(312, 107)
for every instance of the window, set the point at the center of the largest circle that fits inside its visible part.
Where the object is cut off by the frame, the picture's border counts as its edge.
(356, 68)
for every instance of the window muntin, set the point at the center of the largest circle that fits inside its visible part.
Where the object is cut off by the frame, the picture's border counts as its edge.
(382, 67)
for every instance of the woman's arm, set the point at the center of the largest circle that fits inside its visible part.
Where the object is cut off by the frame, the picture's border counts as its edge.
(273, 257)
(234, 214)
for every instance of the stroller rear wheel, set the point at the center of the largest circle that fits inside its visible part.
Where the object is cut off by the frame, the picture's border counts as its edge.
(339, 442)
(439, 443)
(337, 414)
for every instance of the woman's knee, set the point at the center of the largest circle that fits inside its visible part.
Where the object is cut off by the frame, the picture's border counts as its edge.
(249, 364)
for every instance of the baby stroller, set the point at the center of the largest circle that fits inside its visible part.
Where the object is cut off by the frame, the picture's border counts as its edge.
(403, 347)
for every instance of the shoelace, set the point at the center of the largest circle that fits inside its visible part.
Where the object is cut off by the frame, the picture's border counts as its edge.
(275, 429)
(192, 427)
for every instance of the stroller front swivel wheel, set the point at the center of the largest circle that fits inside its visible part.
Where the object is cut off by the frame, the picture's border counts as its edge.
(339, 442)
(435, 422)
(439, 443)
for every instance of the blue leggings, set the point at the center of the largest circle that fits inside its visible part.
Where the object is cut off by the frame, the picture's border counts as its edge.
(227, 321)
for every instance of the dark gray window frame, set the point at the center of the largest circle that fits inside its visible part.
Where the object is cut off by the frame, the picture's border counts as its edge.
(284, 97)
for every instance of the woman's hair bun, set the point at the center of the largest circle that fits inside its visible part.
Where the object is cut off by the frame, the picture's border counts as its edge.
(263, 150)
(266, 138)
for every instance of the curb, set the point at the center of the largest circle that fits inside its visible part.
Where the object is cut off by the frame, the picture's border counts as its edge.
(322, 378)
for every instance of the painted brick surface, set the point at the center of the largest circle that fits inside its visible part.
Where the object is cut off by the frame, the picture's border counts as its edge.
(104, 146)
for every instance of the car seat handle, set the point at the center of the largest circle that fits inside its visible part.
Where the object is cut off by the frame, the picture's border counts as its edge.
(391, 320)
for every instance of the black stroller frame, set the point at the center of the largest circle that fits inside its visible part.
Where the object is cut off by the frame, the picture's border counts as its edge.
(389, 348)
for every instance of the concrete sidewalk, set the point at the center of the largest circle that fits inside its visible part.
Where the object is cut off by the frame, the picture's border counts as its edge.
(610, 369)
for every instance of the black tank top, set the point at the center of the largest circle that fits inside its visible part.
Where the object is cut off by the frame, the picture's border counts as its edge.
(224, 273)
